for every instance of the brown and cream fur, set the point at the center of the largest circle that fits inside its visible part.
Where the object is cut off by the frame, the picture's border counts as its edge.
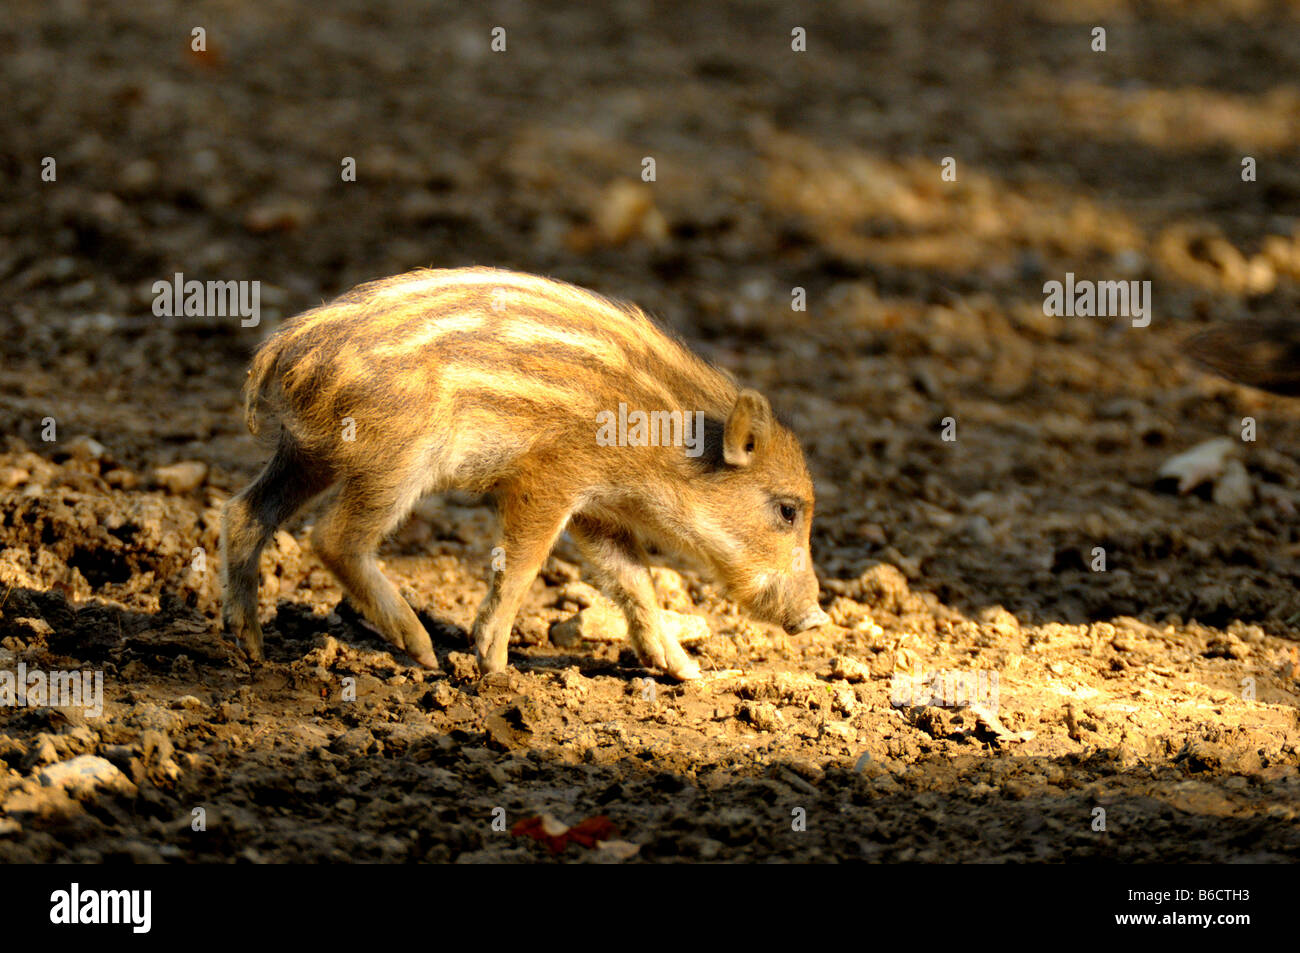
(491, 381)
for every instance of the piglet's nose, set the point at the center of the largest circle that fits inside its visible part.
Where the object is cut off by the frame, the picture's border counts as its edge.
(812, 618)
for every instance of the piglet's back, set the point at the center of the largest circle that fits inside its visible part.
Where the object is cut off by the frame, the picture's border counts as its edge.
(421, 356)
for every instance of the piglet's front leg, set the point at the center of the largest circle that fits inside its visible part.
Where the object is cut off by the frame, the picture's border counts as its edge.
(622, 573)
(531, 522)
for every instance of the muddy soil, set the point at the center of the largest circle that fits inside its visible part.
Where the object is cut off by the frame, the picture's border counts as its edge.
(1041, 650)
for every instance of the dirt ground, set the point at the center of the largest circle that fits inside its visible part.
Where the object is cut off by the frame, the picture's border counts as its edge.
(1155, 698)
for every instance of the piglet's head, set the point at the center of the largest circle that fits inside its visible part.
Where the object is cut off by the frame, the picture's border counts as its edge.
(758, 510)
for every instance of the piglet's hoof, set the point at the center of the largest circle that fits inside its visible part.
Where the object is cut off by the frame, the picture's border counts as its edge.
(428, 660)
(679, 665)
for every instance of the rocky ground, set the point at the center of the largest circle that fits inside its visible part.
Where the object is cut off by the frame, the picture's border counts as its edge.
(991, 689)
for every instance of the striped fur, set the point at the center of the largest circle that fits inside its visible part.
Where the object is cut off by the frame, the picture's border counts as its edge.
(492, 381)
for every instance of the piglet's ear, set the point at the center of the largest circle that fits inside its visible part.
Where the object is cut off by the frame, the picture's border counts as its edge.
(748, 427)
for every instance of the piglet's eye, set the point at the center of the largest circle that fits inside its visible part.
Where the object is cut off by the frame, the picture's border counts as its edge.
(788, 513)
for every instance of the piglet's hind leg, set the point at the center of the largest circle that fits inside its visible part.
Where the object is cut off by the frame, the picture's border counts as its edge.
(248, 521)
(346, 538)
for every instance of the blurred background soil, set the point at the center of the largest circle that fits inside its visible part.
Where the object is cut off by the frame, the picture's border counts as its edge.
(1162, 691)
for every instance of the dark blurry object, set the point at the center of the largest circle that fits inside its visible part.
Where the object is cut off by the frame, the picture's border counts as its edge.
(1259, 352)
(211, 57)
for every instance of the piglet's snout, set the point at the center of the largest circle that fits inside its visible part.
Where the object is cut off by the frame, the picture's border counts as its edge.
(811, 619)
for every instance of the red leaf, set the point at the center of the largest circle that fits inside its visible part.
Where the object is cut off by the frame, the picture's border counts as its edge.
(556, 836)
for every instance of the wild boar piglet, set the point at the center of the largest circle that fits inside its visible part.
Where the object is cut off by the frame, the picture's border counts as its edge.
(572, 410)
